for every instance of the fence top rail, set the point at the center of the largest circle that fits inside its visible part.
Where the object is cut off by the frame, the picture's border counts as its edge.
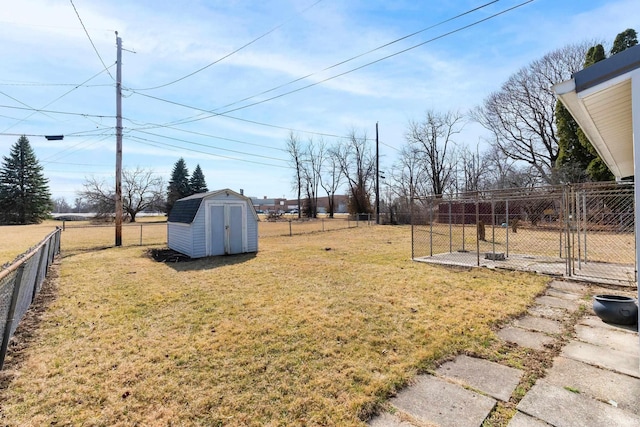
(25, 256)
(596, 188)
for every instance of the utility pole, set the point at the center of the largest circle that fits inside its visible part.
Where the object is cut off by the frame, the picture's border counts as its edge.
(377, 178)
(118, 141)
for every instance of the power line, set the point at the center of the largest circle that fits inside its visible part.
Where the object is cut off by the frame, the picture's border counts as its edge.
(214, 114)
(231, 53)
(181, 149)
(53, 84)
(209, 136)
(55, 112)
(361, 55)
(91, 41)
(28, 107)
(212, 147)
(58, 98)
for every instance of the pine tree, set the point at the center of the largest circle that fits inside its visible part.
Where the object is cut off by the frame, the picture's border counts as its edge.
(179, 184)
(624, 40)
(197, 183)
(24, 191)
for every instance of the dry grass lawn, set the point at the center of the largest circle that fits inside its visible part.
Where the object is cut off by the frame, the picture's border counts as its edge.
(313, 330)
(16, 239)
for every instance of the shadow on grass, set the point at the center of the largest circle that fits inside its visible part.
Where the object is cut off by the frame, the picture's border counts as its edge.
(181, 262)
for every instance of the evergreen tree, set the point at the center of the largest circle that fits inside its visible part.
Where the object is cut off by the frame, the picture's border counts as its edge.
(179, 184)
(197, 183)
(578, 160)
(24, 191)
(624, 40)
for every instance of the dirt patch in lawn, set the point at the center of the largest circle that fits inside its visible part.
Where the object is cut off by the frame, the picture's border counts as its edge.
(168, 255)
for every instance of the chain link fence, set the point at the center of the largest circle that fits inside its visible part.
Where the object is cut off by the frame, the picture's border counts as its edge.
(20, 282)
(86, 236)
(295, 226)
(580, 230)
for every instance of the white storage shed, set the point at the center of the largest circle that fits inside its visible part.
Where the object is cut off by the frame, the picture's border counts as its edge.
(220, 222)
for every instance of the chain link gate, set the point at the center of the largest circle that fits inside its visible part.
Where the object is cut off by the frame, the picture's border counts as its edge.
(583, 231)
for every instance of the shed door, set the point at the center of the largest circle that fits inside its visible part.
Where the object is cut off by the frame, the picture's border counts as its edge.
(217, 235)
(226, 229)
(234, 230)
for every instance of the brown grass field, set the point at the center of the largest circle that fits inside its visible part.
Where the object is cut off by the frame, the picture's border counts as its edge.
(316, 329)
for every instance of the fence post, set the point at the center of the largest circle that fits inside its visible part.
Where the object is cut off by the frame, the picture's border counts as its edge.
(477, 229)
(584, 216)
(493, 227)
(431, 228)
(17, 282)
(507, 222)
(44, 255)
(578, 229)
(140, 234)
(290, 232)
(450, 230)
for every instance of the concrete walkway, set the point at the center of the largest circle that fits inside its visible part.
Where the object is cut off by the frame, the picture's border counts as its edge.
(595, 381)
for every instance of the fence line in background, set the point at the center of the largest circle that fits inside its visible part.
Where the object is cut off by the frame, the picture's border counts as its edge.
(21, 281)
(291, 227)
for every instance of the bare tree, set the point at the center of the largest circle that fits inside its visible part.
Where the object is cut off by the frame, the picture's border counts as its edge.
(434, 138)
(295, 149)
(331, 177)
(521, 115)
(313, 155)
(141, 190)
(358, 167)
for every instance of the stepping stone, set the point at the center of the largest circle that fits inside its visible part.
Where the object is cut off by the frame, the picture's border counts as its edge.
(530, 339)
(539, 324)
(567, 286)
(557, 302)
(562, 408)
(542, 310)
(603, 385)
(388, 420)
(496, 380)
(604, 357)
(432, 400)
(616, 340)
(562, 294)
(523, 420)
(595, 321)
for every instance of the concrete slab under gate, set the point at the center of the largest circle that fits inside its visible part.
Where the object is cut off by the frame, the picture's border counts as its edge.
(596, 272)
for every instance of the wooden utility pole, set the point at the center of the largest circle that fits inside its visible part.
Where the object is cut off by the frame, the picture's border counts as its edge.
(118, 141)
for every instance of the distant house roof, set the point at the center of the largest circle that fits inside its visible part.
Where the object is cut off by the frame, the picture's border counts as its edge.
(600, 98)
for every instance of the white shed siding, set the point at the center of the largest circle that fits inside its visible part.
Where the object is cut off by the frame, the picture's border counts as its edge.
(252, 230)
(179, 237)
(198, 234)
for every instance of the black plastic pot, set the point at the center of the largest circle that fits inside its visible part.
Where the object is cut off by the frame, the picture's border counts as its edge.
(616, 309)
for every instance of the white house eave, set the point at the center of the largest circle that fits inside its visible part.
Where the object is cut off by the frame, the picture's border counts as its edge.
(575, 104)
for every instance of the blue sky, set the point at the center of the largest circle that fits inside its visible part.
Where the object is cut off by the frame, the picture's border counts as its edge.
(49, 63)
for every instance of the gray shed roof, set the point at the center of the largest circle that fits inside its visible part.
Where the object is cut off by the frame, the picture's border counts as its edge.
(184, 210)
